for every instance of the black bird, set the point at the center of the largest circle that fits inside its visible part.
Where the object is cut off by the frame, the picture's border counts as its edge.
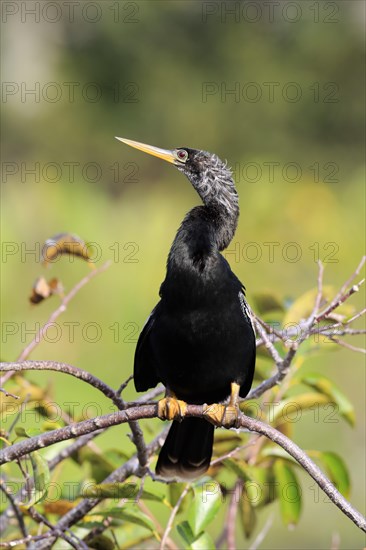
(199, 340)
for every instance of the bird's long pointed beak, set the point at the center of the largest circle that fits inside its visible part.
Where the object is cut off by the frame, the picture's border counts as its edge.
(164, 154)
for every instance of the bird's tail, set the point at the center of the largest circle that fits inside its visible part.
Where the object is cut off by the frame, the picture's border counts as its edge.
(187, 451)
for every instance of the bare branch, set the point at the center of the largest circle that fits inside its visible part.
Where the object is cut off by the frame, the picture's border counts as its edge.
(356, 316)
(65, 368)
(8, 394)
(346, 345)
(25, 540)
(312, 469)
(262, 534)
(172, 516)
(231, 514)
(150, 411)
(124, 385)
(234, 451)
(324, 314)
(137, 435)
(38, 518)
(61, 309)
(268, 344)
(18, 514)
(350, 280)
(282, 370)
(318, 298)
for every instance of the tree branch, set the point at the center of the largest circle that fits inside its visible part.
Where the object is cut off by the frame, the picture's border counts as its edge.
(137, 435)
(150, 411)
(172, 516)
(131, 467)
(14, 507)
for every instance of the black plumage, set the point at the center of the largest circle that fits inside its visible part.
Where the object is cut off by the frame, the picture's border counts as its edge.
(199, 338)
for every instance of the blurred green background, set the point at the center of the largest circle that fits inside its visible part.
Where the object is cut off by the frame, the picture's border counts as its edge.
(274, 88)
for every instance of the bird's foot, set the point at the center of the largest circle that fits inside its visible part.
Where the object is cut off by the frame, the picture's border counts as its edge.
(170, 408)
(225, 416)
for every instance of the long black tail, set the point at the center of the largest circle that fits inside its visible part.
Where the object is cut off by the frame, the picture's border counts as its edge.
(187, 451)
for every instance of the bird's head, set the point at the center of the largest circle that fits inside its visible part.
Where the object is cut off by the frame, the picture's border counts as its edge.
(208, 174)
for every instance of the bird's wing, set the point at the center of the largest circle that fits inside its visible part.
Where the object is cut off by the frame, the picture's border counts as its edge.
(250, 359)
(145, 375)
(245, 308)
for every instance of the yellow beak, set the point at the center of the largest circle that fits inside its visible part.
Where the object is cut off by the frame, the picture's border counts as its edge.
(164, 154)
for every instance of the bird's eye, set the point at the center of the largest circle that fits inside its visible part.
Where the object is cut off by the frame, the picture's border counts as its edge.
(182, 155)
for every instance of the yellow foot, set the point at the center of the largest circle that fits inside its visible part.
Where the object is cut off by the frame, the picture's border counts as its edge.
(221, 415)
(170, 408)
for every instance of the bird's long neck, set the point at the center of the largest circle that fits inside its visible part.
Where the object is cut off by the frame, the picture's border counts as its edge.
(208, 229)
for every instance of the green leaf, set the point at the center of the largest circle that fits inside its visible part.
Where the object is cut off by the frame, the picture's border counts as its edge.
(41, 478)
(111, 490)
(260, 490)
(226, 442)
(267, 301)
(248, 516)
(328, 387)
(131, 515)
(29, 432)
(174, 492)
(149, 495)
(288, 492)
(240, 468)
(336, 470)
(20, 431)
(277, 452)
(202, 542)
(206, 504)
(289, 410)
(185, 531)
(100, 466)
(119, 490)
(101, 542)
(303, 306)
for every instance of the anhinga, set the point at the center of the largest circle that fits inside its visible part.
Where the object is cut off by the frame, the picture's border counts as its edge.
(199, 340)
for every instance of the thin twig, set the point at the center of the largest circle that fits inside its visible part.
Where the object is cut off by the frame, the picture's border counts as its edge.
(64, 368)
(14, 506)
(231, 514)
(283, 368)
(62, 455)
(269, 328)
(9, 394)
(318, 298)
(54, 315)
(262, 534)
(268, 344)
(324, 314)
(359, 314)
(18, 542)
(19, 414)
(39, 518)
(234, 451)
(349, 281)
(346, 345)
(129, 468)
(173, 513)
(124, 385)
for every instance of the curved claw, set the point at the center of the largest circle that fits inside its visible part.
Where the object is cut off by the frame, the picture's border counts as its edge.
(170, 408)
(225, 416)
